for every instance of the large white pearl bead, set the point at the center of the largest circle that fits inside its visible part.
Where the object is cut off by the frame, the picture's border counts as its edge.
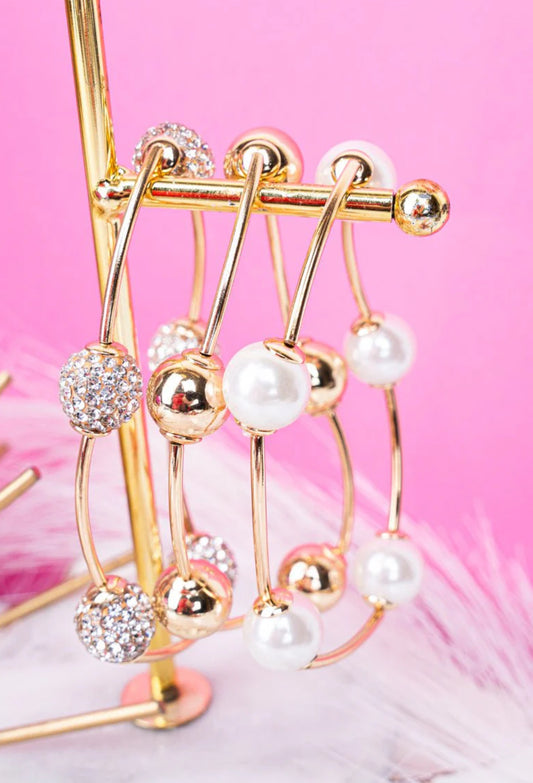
(388, 571)
(286, 641)
(264, 391)
(384, 175)
(380, 353)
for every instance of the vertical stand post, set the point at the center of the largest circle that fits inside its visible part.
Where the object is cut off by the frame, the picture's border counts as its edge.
(96, 126)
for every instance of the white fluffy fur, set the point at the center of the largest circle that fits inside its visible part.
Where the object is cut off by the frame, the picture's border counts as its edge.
(441, 692)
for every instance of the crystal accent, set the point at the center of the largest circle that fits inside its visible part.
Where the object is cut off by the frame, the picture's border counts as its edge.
(201, 546)
(115, 624)
(173, 339)
(100, 388)
(196, 159)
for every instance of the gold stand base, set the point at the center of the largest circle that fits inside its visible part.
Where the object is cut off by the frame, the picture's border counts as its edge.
(194, 697)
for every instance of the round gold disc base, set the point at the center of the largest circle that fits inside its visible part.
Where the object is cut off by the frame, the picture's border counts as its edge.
(193, 700)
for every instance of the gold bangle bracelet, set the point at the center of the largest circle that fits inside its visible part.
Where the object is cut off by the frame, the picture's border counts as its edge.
(100, 390)
(317, 570)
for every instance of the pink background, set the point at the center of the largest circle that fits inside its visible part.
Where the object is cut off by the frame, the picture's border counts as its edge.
(444, 89)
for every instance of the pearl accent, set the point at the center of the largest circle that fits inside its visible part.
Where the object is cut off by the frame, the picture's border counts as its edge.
(388, 571)
(384, 172)
(264, 391)
(287, 641)
(380, 354)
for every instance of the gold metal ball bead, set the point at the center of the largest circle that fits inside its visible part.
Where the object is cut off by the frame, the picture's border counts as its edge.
(282, 158)
(317, 571)
(184, 397)
(195, 607)
(328, 373)
(421, 207)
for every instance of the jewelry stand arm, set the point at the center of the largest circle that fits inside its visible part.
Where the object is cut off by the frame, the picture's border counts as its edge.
(100, 163)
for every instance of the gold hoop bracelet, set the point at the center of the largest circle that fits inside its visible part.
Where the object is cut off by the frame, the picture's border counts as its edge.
(184, 397)
(100, 390)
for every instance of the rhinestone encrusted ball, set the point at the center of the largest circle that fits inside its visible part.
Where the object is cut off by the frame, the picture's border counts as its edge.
(100, 388)
(201, 546)
(173, 339)
(196, 159)
(115, 624)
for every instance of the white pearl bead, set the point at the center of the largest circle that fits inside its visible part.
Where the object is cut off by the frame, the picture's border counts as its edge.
(263, 391)
(388, 570)
(286, 641)
(381, 354)
(384, 172)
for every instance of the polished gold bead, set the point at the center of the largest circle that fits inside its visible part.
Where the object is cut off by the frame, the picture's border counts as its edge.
(364, 172)
(282, 160)
(194, 607)
(421, 207)
(316, 570)
(184, 397)
(328, 373)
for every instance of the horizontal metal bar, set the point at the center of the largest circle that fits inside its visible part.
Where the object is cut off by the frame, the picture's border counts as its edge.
(18, 487)
(224, 196)
(56, 593)
(87, 720)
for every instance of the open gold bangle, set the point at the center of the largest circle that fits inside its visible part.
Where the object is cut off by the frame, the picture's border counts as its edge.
(177, 507)
(292, 333)
(282, 288)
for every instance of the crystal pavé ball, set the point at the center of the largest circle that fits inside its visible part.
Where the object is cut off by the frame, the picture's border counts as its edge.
(173, 339)
(115, 623)
(201, 546)
(196, 159)
(100, 388)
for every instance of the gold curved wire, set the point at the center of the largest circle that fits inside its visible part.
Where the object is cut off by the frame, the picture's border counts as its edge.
(176, 510)
(170, 650)
(160, 653)
(197, 292)
(116, 270)
(334, 203)
(354, 276)
(364, 633)
(83, 521)
(259, 518)
(350, 259)
(233, 254)
(393, 524)
(348, 494)
(280, 276)
(149, 166)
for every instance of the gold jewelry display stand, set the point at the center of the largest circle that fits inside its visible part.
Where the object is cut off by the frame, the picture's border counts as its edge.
(164, 697)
